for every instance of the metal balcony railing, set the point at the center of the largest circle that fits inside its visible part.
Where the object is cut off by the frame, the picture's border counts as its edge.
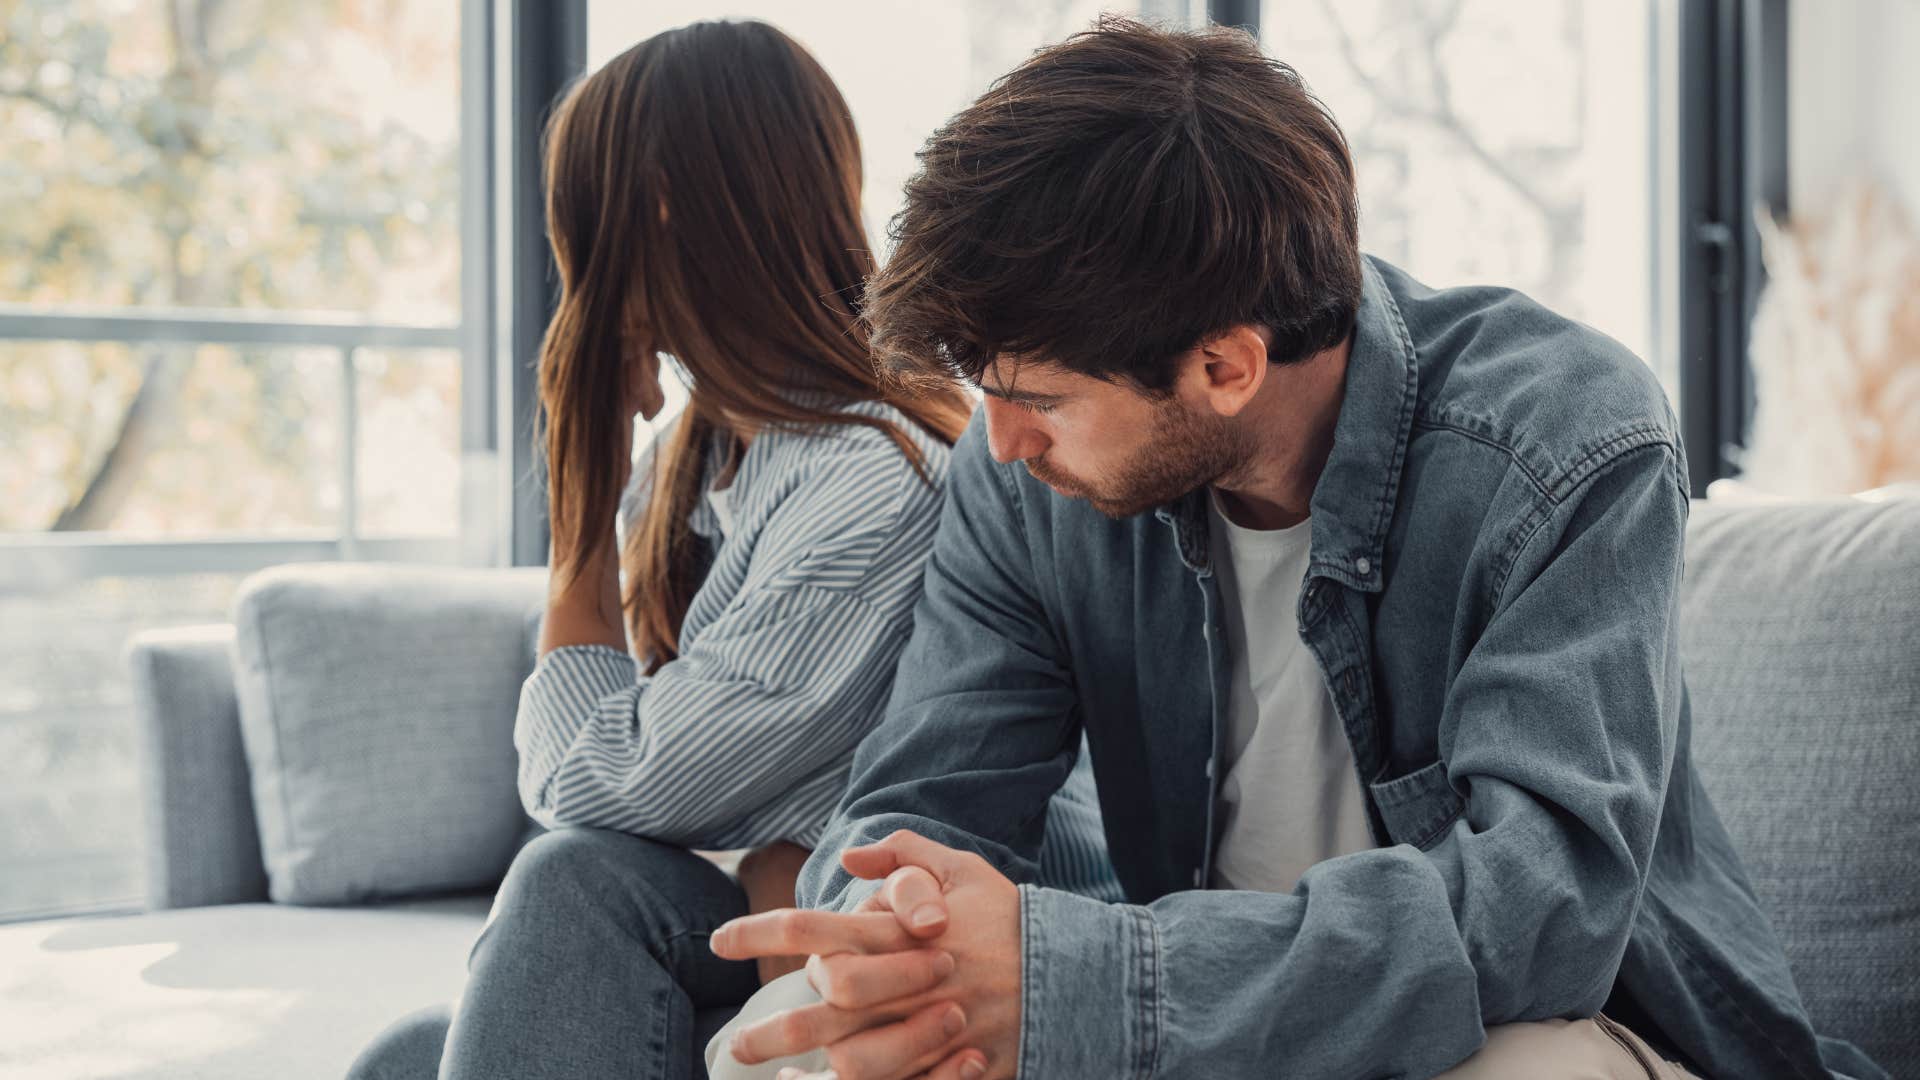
(38, 558)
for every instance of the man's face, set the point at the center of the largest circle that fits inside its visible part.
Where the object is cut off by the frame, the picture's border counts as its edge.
(1120, 449)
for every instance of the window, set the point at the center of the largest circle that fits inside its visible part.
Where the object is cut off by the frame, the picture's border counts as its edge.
(231, 279)
(903, 68)
(1500, 143)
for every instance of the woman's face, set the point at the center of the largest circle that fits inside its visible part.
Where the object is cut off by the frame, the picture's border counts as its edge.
(644, 395)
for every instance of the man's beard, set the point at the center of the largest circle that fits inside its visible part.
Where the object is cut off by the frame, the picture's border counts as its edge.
(1181, 453)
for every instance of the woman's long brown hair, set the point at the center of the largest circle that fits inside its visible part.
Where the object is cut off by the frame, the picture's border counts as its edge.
(703, 201)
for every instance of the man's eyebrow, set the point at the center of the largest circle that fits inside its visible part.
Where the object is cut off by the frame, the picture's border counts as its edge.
(1021, 395)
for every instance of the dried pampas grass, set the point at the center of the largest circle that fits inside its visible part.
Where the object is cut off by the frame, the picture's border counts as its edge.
(1836, 351)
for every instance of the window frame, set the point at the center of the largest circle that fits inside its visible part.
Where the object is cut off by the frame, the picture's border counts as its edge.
(1732, 163)
(1729, 143)
(43, 560)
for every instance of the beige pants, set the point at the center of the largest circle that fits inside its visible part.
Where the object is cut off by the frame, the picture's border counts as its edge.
(1596, 1049)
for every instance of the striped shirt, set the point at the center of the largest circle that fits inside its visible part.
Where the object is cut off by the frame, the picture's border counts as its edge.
(787, 654)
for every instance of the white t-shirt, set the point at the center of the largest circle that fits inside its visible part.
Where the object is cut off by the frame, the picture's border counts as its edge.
(1289, 797)
(721, 500)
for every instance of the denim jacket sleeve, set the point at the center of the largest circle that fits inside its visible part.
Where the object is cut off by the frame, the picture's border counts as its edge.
(1558, 731)
(982, 729)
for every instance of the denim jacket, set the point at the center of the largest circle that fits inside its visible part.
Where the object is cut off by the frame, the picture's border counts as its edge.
(1492, 597)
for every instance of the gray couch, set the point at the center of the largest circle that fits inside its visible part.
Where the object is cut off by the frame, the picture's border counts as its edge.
(1801, 635)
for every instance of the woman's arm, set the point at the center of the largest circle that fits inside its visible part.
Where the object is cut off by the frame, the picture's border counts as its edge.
(587, 611)
(743, 738)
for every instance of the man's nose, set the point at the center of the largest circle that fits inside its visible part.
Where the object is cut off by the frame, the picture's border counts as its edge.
(1012, 434)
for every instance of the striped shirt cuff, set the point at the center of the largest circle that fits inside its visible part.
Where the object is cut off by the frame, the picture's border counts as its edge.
(563, 695)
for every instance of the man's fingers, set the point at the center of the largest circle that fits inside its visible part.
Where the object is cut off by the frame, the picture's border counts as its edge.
(882, 1053)
(852, 981)
(898, 1051)
(812, 1027)
(903, 848)
(794, 1031)
(968, 1064)
(797, 932)
(918, 900)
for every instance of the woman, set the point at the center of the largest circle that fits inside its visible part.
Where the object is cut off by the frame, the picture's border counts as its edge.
(703, 202)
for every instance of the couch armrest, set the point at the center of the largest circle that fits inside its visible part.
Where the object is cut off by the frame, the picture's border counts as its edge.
(202, 844)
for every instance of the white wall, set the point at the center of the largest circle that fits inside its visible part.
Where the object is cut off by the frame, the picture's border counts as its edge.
(1853, 97)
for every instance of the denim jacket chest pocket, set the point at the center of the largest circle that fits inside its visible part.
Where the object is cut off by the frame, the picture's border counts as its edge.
(1418, 807)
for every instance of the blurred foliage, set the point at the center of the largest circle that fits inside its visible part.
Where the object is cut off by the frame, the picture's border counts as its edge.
(208, 154)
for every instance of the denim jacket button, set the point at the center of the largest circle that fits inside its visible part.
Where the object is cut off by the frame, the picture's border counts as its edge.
(1196, 877)
(1364, 566)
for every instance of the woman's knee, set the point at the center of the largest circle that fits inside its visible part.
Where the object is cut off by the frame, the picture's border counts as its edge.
(573, 880)
(409, 1049)
(577, 861)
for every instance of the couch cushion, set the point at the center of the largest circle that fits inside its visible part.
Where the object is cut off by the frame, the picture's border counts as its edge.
(241, 991)
(376, 708)
(1800, 630)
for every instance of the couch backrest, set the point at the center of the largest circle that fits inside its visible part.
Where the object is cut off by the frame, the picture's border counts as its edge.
(415, 672)
(377, 710)
(1800, 631)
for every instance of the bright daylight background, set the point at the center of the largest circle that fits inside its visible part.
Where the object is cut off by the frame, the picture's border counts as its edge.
(287, 159)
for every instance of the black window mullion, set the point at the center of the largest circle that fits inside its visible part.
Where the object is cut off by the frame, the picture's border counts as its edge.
(1732, 159)
(545, 49)
(1244, 14)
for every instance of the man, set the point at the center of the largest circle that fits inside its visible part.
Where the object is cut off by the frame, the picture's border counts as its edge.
(1364, 595)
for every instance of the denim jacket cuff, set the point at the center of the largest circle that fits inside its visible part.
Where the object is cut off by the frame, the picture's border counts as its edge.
(1090, 987)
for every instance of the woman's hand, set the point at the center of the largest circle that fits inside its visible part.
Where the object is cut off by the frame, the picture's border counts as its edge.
(767, 875)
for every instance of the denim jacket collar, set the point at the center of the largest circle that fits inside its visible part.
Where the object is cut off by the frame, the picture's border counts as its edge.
(1353, 500)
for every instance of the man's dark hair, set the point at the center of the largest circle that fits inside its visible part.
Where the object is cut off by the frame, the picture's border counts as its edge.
(1113, 202)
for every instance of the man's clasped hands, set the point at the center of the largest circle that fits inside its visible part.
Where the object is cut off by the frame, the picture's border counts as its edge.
(922, 980)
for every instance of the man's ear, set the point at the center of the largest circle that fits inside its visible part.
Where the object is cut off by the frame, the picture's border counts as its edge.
(1228, 369)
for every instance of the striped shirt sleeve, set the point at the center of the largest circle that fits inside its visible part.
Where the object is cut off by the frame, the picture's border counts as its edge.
(742, 740)
(786, 661)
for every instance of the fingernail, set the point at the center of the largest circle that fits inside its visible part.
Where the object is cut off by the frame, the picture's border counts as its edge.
(716, 939)
(943, 965)
(926, 915)
(954, 1021)
(974, 1069)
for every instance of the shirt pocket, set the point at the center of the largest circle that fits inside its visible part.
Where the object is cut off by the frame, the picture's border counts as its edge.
(1419, 806)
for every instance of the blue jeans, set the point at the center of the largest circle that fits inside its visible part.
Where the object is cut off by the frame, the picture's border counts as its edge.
(594, 962)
